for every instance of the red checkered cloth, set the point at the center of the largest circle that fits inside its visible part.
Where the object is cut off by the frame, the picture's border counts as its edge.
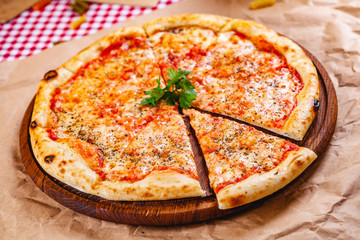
(33, 31)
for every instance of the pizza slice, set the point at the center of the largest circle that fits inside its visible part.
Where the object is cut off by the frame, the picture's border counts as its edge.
(252, 74)
(180, 41)
(157, 165)
(245, 164)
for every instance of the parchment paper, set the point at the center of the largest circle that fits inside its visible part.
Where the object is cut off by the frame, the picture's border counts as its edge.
(11, 8)
(324, 203)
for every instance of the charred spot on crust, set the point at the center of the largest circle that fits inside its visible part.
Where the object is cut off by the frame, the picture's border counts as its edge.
(316, 104)
(237, 200)
(33, 124)
(299, 162)
(50, 75)
(49, 159)
(147, 195)
(61, 164)
(95, 186)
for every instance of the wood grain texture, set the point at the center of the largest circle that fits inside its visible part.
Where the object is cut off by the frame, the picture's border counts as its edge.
(170, 212)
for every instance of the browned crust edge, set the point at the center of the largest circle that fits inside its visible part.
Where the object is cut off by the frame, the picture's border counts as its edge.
(261, 185)
(303, 115)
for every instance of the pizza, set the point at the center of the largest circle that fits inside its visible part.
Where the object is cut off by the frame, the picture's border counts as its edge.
(90, 129)
(245, 164)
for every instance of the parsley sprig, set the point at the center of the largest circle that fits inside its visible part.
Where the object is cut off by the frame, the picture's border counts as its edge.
(179, 89)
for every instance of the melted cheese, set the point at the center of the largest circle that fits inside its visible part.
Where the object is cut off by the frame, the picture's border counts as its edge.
(247, 80)
(181, 48)
(163, 144)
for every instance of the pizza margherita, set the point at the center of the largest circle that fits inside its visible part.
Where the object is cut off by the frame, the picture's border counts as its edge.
(89, 128)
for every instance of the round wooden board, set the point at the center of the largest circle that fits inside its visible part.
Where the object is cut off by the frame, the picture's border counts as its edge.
(170, 212)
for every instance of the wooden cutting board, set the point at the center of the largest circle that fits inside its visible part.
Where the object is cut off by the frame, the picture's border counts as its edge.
(170, 212)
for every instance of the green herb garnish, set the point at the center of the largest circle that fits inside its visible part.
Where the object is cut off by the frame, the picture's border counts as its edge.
(179, 89)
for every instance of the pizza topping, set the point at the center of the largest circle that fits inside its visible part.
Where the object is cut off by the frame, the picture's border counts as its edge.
(52, 133)
(124, 45)
(179, 89)
(57, 99)
(195, 53)
(180, 48)
(49, 159)
(89, 152)
(162, 145)
(50, 75)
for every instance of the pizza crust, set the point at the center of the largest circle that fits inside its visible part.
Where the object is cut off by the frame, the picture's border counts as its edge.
(259, 186)
(159, 185)
(212, 22)
(97, 47)
(304, 113)
(65, 164)
(41, 110)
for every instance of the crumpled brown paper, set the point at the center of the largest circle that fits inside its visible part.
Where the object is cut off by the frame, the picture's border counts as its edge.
(11, 8)
(323, 203)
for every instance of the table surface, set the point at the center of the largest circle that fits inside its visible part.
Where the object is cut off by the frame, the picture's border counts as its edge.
(33, 31)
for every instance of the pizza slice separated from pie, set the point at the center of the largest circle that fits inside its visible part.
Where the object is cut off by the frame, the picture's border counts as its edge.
(245, 164)
(180, 41)
(253, 74)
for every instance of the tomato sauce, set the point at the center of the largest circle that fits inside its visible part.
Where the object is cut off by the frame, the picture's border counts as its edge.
(195, 53)
(243, 177)
(90, 153)
(52, 134)
(118, 47)
(55, 102)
